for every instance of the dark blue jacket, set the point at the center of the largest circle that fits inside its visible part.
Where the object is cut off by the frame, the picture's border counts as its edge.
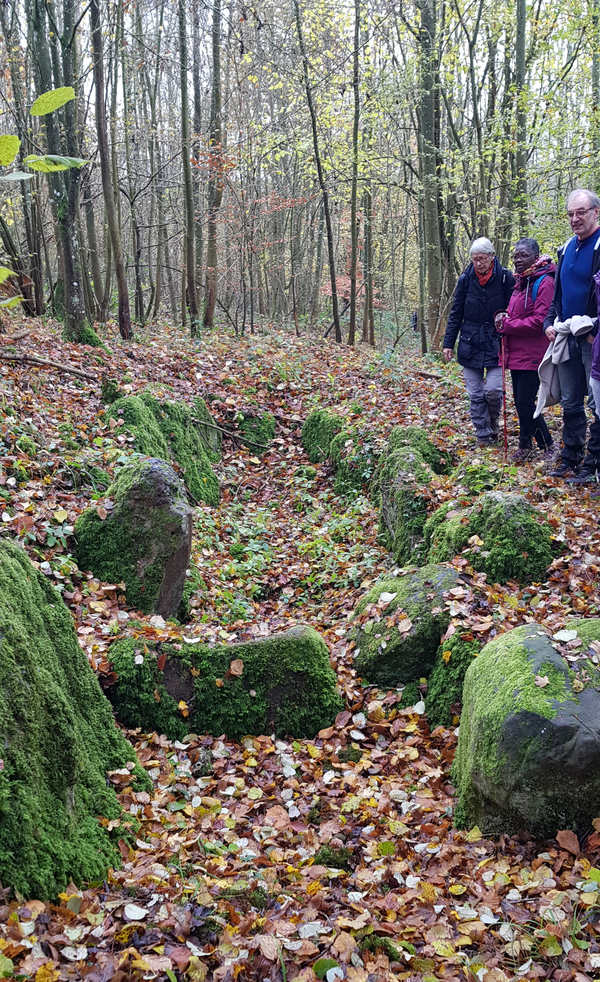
(472, 314)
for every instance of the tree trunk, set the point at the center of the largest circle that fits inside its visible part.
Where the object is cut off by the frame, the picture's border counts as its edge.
(215, 175)
(353, 216)
(188, 235)
(107, 185)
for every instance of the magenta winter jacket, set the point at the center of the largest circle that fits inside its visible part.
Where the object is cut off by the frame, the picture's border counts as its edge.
(524, 340)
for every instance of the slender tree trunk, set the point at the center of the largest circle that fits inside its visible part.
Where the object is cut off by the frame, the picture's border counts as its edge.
(107, 185)
(353, 210)
(521, 115)
(215, 176)
(190, 264)
(321, 177)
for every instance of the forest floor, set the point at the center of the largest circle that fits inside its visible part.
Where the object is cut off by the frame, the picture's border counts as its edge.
(222, 883)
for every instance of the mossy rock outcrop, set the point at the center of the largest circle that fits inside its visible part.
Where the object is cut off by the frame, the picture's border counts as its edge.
(58, 740)
(445, 683)
(440, 461)
(318, 430)
(501, 534)
(169, 430)
(282, 685)
(402, 478)
(145, 540)
(401, 622)
(353, 455)
(528, 753)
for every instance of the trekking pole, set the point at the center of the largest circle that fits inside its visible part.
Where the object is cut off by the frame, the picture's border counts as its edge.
(504, 398)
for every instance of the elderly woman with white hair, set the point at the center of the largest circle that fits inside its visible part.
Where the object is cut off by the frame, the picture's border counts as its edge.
(482, 291)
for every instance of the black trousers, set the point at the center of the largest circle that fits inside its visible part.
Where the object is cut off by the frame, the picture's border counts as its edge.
(525, 385)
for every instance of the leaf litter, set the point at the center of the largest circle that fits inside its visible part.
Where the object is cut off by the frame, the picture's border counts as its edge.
(293, 859)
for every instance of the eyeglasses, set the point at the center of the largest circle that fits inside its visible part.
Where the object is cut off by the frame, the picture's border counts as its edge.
(580, 212)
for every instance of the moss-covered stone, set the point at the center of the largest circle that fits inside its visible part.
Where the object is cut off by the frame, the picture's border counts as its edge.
(445, 683)
(211, 437)
(257, 431)
(167, 430)
(529, 746)
(144, 541)
(110, 391)
(353, 455)
(193, 583)
(319, 429)
(472, 479)
(399, 634)
(402, 478)
(283, 685)
(440, 461)
(58, 740)
(504, 534)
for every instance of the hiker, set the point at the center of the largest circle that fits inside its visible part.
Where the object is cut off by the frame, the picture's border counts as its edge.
(573, 303)
(524, 342)
(482, 291)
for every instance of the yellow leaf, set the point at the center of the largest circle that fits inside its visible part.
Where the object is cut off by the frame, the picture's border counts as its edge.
(183, 707)
(47, 973)
(429, 893)
(474, 835)
(444, 948)
(446, 656)
(457, 889)
(60, 515)
(313, 751)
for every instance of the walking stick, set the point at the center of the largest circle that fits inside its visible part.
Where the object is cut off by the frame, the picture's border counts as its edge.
(504, 398)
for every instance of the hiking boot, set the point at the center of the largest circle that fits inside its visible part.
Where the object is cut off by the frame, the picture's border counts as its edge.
(563, 469)
(487, 441)
(549, 453)
(587, 475)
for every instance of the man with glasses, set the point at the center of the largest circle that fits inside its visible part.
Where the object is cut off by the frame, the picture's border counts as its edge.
(574, 293)
(481, 292)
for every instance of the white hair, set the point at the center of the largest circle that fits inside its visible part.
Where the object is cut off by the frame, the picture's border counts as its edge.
(593, 199)
(482, 245)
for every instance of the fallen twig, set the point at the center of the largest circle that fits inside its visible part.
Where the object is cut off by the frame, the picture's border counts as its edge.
(46, 363)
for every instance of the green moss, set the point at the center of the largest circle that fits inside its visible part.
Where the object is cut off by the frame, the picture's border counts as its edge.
(401, 479)
(391, 657)
(166, 430)
(475, 478)
(85, 474)
(445, 684)
(354, 457)
(440, 461)
(346, 754)
(377, 942)
(256, 897)
(58, 741)
(110, 391)
(287, 687)
(411, 694)
(257, 431)
(319, 429)
(334, 858)
(500, 683)
(87, 335)
(515, 544)
(124, 548)
(211, 437)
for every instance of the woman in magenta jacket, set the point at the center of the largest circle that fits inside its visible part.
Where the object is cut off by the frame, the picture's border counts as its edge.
(525, 342)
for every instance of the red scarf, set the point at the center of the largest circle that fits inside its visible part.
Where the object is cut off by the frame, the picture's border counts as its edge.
(485, 277)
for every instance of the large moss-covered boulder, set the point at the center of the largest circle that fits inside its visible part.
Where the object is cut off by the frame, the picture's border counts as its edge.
(402, 478)
(353, 454)
(171, 431)
(58, 740)
(439, 460)
(529, 746)
(501, 534)
(399, 625)
(146, 538)
(283, 685)
(318, 430)
(445, 683)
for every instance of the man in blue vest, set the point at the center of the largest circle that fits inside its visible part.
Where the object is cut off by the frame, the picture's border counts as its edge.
(574, 293)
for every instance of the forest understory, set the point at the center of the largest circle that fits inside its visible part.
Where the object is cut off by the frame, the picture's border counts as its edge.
(331, 858)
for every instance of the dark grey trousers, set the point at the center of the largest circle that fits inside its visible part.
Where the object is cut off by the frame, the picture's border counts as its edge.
(484, 388)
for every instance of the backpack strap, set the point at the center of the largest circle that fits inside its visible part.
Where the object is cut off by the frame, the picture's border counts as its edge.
(536, 285)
